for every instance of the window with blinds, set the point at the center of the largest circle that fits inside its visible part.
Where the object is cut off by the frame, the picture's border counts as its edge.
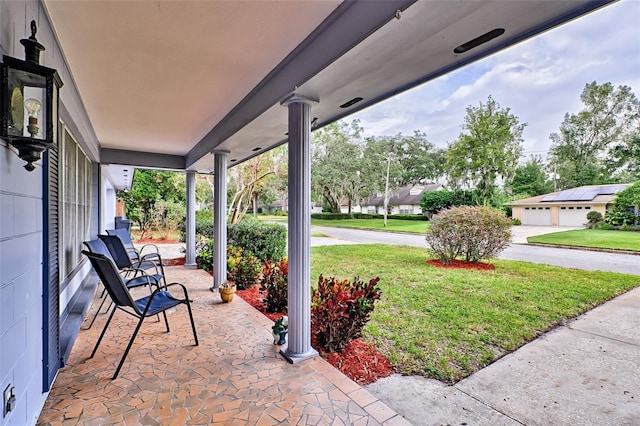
(76, 209)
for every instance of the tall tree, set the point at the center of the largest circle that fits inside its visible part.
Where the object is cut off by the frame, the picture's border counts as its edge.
(489, 149)
(337, 163)
(597, 144)
(530, 179)
(246, 182)
(421, 161)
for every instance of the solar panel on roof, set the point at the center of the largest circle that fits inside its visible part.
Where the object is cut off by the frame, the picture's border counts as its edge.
(584, 193)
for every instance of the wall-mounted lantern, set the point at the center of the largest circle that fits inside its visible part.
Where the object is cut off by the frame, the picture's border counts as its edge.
(29, 104)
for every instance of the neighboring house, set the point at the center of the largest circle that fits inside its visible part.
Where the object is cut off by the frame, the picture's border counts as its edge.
(405, 200)
(565, 208)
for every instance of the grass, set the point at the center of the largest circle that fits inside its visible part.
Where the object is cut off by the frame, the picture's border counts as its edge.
(615, 240)
(394, 225)
(446, 324)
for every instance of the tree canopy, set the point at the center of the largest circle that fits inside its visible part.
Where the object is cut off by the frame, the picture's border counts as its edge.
(600, 143)
(489, 149)
(530, 179)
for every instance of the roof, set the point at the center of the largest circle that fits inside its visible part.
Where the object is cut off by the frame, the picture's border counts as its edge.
(598, 194)
(408, 195)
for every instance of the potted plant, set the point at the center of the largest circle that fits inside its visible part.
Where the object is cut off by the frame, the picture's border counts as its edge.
(227, 289)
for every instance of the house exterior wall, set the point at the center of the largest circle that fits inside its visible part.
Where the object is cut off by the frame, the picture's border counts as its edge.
(560, 213)
(22, 226)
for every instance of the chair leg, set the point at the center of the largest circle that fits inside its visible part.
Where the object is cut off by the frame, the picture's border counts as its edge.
(103, 331)
(96, 314)
(126, 352)
(193, 324)
(166, 321)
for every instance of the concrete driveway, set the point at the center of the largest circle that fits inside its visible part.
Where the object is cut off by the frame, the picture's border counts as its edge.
(522, 232)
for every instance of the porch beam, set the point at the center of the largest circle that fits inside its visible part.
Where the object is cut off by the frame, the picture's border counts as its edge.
(299, 235)
(219, 218)
(190, 257)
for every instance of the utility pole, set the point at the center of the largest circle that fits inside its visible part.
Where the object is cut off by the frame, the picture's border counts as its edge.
(386, 190)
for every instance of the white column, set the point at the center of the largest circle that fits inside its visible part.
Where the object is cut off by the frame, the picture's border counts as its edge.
(299, 237)
(219, 218)
(190, 221)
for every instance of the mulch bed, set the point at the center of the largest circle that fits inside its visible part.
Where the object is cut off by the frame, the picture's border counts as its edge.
(179, 261)
(360, 361)
(155, 241)
(460, 264)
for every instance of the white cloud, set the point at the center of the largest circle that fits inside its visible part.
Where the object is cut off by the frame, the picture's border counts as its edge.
(539, 80)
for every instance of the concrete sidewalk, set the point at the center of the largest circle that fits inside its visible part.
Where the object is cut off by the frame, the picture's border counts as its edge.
(584, 373)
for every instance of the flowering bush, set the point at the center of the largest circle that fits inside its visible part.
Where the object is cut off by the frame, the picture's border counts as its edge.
(473, 233)
(275, 282)
(340, 310)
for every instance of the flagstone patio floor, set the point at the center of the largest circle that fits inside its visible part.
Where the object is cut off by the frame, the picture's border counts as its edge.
(234, 377)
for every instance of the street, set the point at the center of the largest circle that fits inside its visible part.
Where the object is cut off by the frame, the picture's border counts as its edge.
(568, 258)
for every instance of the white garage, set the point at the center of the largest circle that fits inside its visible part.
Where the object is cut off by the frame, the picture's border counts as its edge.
(537, 216)
(565, 208)
(573, 215)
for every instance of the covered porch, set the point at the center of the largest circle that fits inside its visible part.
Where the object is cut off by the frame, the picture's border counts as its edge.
(234, 377)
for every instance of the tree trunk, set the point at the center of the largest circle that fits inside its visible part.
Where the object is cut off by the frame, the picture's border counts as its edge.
(255, 205)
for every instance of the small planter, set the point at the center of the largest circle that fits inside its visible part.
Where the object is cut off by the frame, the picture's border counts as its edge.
(227, 291)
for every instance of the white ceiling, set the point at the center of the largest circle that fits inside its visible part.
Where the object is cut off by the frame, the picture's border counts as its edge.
(186, 77)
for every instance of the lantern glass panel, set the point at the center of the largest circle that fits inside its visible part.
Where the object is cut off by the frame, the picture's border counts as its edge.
(27, 100)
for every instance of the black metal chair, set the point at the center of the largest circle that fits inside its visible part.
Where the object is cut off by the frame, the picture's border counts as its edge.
(157, 302)
(135, 254)
(123, 260)
(140, 277)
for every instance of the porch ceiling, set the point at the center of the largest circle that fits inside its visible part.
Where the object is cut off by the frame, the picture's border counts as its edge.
(182, 79)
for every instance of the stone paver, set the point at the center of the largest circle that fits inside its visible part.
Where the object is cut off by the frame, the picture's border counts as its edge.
(235, 375)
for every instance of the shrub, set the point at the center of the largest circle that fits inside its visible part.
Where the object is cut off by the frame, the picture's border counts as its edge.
(234, 256)
(473, 233)
(593, 217)
(243, 268)
(275, 281)
(407, 217)
(631, 228)
(248, 271)
(618, 217)
(263, 240)
(516, 221)
(280, 213)
(204, 259)
(340, 310)
(604, 226)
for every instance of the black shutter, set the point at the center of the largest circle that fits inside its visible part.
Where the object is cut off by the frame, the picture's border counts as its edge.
(51, 281)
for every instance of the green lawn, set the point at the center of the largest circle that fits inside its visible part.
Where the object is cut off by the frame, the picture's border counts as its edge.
(617, 240)
(447, 324)
(395, 225)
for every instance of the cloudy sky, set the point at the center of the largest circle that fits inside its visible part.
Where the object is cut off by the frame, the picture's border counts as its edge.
(540, 80)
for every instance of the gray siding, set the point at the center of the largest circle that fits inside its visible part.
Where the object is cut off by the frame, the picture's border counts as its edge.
(21, 223)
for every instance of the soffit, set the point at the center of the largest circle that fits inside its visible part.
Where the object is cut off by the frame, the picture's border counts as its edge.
(155, 76)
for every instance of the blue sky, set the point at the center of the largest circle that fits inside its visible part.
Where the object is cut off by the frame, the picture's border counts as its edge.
(540, 80)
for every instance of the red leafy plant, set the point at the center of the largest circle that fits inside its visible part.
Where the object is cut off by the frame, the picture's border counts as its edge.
(340, 310)
(275, 283)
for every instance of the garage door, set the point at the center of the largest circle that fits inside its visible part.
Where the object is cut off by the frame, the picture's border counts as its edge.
(536, 216)
(573, 215)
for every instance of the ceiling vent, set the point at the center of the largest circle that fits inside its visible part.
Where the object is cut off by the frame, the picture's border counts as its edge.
(479, 40)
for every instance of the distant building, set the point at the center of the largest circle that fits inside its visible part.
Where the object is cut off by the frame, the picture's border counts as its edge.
(405, 200)
(566, 208)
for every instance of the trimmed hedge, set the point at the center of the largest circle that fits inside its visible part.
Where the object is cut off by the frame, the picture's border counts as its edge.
(345, 216)
(266, 241)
